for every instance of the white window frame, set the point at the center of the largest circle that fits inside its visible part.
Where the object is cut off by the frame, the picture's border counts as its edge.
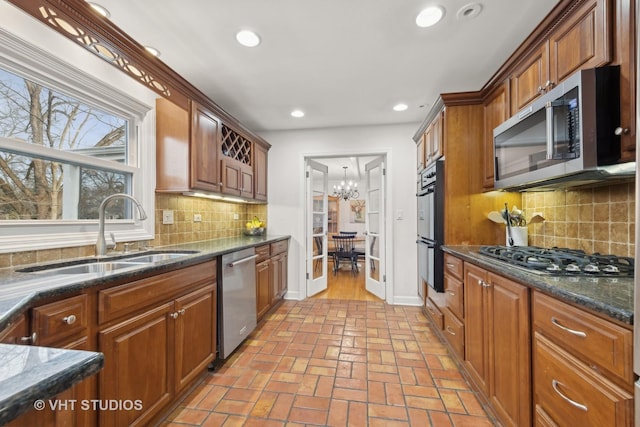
(45, 67)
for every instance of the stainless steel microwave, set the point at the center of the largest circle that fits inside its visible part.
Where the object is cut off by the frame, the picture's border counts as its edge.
(567, 136)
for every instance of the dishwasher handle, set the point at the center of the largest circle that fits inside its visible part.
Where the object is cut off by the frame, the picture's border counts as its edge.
(241, 261)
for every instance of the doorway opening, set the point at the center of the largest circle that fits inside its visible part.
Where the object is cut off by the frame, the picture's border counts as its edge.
(345, 252)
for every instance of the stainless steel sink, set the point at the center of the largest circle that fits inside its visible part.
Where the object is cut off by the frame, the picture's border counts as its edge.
(157, 257)
(97, 267)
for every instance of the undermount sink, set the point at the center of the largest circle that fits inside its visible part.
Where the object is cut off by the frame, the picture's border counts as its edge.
(158, 257)
(96, 267)
(106, 266)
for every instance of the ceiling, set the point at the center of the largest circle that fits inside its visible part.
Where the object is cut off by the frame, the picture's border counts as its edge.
(342, 62)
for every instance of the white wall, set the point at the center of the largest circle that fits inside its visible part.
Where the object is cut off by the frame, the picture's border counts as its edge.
(287, 187)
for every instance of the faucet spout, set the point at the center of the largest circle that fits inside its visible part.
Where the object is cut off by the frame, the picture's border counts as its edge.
(101, 244)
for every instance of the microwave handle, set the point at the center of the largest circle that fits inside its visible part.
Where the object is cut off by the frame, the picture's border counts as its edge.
(549, 108)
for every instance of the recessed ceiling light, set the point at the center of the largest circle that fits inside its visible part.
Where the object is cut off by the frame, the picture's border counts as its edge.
(297, 113)
(429, 16)
(248, 38)
(400, 107)
(152, 50)
(469, 11)
(100, 9)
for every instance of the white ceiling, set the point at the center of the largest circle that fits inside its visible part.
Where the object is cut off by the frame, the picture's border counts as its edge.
(344, 62)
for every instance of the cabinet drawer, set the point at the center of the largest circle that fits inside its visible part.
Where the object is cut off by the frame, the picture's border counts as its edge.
(606, 345)
(432, 311)
(60, 319)
(128, 298)
(279, 247)
(454, 332)
(453, 266)
(571, 394)
(454, 295)
(263, 252)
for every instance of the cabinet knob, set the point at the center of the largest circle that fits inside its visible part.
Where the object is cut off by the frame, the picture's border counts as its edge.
(174, 315)
(70, 319)
(31, 339)
(549, 84)
(621, 131)
(540, 89)
(181, 311)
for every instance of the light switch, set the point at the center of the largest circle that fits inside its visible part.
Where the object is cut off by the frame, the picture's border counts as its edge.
(167, 217)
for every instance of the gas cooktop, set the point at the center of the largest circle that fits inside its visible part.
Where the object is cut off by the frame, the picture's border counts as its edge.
(561, 261)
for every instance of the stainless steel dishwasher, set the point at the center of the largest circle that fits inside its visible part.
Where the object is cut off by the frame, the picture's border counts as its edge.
(236, 300)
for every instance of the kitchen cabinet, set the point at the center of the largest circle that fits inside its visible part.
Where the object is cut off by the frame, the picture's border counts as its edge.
(60, 324)
(496, 111)
(420, 146)
(497, 342)
(271, 276)
(196, 151)
(582, 365)
(582, 40)
(16, 332)
(263, 281)
(157, 334)
(260, 171)
(434, 139)
(453, 309)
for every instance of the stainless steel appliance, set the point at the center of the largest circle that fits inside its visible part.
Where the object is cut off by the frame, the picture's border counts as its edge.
(431, 226)
(236, 299)
(569, 136)
(561, 261)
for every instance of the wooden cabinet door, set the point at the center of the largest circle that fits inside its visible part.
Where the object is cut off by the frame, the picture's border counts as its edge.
(476, 342)
(246, 182)
(421, 153)
(195, 334)
(496, 111)
(16, 333)
(529, 79)
(437, 137)
(138, 355)
(275, 278)
(260, 158)
(204, 144)
(231, 172)
(511, 348)
(263, 288)
(283, 284)
(583, 41)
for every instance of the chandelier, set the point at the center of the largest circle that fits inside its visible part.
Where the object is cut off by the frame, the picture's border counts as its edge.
(346, 191)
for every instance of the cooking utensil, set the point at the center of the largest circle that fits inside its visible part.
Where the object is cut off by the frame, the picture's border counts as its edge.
(496, 217)
(505, 215)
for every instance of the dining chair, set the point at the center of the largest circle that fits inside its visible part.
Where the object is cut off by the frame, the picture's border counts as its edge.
(362, 255)
(344, 250)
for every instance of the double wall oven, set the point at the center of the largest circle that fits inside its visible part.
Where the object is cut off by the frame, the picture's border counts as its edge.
(431, 227)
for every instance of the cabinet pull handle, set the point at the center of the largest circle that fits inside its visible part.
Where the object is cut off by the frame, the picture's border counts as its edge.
(450, 265)
(450, 292)
(30, 339)
(70, 319)
(450, 331)
(555, 385)
(571, 331)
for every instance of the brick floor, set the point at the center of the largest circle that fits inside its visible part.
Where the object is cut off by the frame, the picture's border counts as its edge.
(335, 363)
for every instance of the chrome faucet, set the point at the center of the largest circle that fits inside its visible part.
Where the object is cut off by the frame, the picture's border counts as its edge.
(101, 244)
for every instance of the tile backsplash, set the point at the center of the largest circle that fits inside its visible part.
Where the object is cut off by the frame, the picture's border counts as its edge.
(217, 222)
(600, 219)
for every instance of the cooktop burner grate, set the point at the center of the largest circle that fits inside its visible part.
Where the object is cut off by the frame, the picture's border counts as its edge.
(561, 261)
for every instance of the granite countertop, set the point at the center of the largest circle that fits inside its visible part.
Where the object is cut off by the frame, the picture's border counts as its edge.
(30, 373)
(610, 296)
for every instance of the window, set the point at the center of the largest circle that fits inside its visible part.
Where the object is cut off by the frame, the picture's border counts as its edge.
(67, 141)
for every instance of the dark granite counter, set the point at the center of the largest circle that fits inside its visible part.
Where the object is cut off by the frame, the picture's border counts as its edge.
(29, 373)
(29, 376)
(20, 290)
(610, 296)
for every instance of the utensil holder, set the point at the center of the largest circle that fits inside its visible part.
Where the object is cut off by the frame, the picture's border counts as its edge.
(520, 236)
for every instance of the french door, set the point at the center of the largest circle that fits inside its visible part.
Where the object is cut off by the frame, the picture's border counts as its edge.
(317, 213)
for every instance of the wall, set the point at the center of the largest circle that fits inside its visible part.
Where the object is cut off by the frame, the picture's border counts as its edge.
(286, 207)
(600, 219)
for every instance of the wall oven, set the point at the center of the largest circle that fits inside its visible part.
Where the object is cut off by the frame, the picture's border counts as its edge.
(430, 227)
